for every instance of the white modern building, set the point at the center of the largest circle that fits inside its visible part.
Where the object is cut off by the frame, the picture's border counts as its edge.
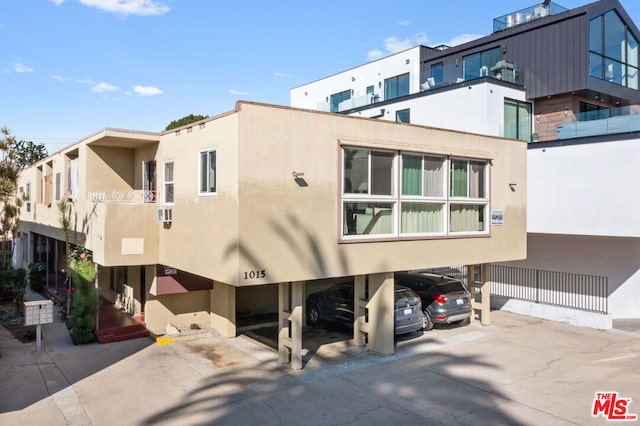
(566, 81)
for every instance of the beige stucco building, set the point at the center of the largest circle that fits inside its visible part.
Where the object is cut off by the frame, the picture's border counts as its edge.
(242, 213)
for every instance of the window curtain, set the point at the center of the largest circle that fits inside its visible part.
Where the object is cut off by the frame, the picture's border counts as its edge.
(73, 178)
(476, 181)
(212, 171)
(466, 218)
(458, 178)
(421, 218)
(411, 175)
(433, 179)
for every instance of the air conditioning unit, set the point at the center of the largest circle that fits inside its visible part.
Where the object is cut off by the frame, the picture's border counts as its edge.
(165, 215)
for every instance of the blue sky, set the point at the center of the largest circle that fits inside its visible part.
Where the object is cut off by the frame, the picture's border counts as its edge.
(69, 68)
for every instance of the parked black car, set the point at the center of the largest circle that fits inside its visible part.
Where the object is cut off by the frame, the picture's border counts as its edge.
(335, 305)
(445, 299)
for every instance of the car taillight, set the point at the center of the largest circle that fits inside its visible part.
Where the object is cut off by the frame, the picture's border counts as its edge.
(440, 299)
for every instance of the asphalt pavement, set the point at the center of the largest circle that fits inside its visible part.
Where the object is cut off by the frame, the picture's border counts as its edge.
(517, 371)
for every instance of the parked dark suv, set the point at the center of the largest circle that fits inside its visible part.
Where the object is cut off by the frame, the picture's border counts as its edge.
(445, 299)
(335, 304)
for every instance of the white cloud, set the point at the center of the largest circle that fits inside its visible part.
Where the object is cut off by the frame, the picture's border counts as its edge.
(60, 79)
(237, 92)
(57, 2)
(404, 23)
(128, 7)
(282, 75)
(146, 90)
(463, 38)
(375, 54)
(104, 87)
(19, 67)
(395, 45)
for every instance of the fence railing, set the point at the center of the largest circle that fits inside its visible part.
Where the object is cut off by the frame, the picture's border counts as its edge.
(568, 290)
(123, 196)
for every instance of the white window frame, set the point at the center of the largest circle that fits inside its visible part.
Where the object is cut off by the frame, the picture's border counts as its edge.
(166, 183)
(446, 199)
(425, 199)
(201, 171)
(468, 199)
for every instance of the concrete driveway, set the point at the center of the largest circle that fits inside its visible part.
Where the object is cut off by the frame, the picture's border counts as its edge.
(518, 371)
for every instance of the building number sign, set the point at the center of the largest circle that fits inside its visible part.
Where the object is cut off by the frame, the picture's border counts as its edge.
(252, 275)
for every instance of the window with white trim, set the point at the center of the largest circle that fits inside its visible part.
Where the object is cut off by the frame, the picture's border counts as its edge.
(168, 195)
(423, 197)
(469, 199)
(393, 194)
(207, 173)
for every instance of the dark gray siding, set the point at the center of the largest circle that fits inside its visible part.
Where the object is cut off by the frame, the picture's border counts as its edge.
(552, 53)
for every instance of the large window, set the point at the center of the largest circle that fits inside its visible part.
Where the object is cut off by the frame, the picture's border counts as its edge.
(336, 98)
(397, 86)
(517, 120)
(422, 198)
(613, 51)
(391, 194)
(207, 183)
(469, 199)
(480, 64)
(168, 179)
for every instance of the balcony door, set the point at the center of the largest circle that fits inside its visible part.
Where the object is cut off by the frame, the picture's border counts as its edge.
(149, 181)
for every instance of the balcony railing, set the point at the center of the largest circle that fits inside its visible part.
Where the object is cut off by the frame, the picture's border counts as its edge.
(526, 15)
(567, 125)
(123, 196)
(437, 78)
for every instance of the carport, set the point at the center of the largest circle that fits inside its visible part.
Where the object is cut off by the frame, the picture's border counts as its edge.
(373, 313)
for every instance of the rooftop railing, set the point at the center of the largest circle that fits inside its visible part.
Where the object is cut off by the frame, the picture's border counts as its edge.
(526, 15)
(436, 78)
(592, 123)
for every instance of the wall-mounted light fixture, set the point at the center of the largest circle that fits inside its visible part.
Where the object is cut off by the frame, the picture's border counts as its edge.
(512, 187)
(297, 177)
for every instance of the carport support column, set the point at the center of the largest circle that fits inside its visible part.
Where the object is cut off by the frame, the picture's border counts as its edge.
(484, 287)
(381, 314)
(360, 325)
(223, 309)
(290, 324)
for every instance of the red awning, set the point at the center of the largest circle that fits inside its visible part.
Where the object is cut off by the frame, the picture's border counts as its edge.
(168, 285)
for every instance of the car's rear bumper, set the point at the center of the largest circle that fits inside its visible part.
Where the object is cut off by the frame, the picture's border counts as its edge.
(408, 328)
(453, 318)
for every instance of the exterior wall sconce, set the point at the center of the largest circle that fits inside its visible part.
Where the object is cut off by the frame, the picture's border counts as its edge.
(297, 177)
(512, 187)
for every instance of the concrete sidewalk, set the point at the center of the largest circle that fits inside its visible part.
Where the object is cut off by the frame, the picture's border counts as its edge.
(518, 371)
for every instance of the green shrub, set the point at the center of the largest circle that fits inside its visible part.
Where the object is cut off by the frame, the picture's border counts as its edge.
(36, 276)
(85, 300)
(12, 285)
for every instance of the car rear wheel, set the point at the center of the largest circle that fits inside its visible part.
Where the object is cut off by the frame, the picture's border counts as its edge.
(427, 324)
(313, 315)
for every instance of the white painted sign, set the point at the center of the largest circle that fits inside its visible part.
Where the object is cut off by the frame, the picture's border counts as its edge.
(497, 217)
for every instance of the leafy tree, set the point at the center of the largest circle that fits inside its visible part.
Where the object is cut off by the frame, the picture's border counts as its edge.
(185, 120)
(27, 153)
(10, 203)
